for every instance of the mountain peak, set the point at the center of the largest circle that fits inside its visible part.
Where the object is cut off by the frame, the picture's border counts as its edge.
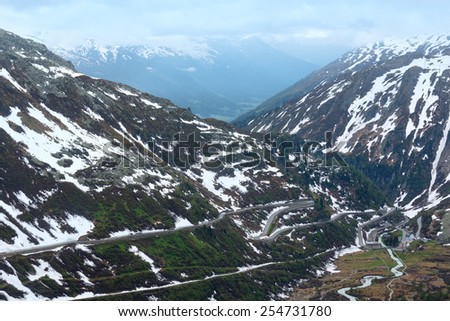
(156, 47)
(382, 51)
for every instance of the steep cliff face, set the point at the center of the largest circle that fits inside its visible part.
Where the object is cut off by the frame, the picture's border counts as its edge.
(388, 106)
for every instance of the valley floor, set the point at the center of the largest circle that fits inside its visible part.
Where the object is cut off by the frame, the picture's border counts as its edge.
(426, 276)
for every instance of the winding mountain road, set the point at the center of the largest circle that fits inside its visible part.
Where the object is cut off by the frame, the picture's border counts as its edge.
(361, 240)
(282, 210)
(289, 206)
(335, 217)
(132, 236)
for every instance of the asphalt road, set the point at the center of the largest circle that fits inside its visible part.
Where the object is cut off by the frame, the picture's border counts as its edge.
(336, 217)
(289, 206)
(374, 220)
(301, 203)
(286, 209)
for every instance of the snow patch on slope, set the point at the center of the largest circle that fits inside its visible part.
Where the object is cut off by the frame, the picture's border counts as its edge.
(56, 232)
(44, 269)
(144, 257)
(5, 74)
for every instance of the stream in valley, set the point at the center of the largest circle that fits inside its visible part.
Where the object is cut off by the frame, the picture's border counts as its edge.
(368, 279)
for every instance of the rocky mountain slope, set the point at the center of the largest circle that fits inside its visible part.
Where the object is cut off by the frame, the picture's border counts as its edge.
(388, 106)
(105, 189)
(62, 129)
(215, 78)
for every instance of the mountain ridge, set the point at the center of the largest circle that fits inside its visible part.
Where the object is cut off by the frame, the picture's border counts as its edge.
(103, 132)
(368, 98)
(394, 46)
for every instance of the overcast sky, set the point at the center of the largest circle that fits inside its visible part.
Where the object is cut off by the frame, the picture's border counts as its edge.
(347, 23)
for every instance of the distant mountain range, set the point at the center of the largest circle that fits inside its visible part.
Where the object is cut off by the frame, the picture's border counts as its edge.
(388, 105)
(217, 78)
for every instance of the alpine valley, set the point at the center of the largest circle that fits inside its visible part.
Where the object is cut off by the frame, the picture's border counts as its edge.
(388, 107)
(107, 192)
(217, 77)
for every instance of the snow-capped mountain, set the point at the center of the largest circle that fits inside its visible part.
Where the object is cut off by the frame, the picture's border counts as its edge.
(217, 78)
(106, 190)
(388, 105)
(68, 129)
